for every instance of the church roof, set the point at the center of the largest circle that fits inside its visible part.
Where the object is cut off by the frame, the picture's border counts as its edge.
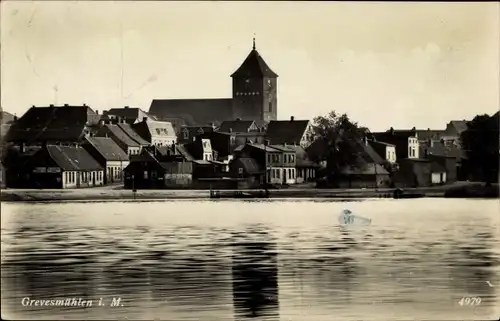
(254, 66)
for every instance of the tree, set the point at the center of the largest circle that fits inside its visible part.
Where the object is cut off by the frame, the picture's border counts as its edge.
(336, 141)
(480, 142)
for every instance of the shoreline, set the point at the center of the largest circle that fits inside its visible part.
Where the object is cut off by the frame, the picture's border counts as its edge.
(103, 194)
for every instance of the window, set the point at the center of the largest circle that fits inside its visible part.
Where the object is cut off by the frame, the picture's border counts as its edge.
(409, 151)
(240, 170)
(145, 174)
(274, 173)
(270, 106)
(268, 158)
(278, 173)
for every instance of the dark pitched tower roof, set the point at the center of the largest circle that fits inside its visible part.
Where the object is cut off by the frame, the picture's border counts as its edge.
(254, 66)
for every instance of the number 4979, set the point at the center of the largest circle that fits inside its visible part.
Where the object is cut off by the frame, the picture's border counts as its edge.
(470, 301)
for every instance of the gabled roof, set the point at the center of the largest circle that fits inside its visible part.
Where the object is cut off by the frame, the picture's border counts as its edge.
(118, 133)
(370, 155)
(129, 113)
(459, 125)
(369, 169)
(72, 158)
(183, 151)
(254, 66)
(193, 111)
(440, 149)
(301, 157)
(53, 124)
(286, 131)
(129, 130)
(237, 126)
(153, 128)
(108, 148)
(250, 165)
(425, 134)
(194, 131)
(6, 117)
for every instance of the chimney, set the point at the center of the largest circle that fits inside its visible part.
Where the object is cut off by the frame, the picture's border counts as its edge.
(15, 118)
(266, 142)
(144, 119)
(365, 140)
(51, 105)
(292, 118)
(66, 105)
(238, 119)
(126, 107)
(97, 112)
(391, 130)
(84, 105)
(230, 130)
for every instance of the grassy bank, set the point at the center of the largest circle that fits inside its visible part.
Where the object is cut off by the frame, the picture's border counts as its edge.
(462, 190)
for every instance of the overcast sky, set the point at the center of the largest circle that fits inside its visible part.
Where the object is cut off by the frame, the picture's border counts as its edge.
(384, 64)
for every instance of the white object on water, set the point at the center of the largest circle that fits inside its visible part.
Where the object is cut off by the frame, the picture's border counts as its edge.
(347, 218)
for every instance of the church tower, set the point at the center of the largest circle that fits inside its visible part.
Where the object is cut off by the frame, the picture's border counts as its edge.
(255, 89)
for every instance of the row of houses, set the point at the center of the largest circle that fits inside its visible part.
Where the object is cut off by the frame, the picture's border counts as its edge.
(131, 146)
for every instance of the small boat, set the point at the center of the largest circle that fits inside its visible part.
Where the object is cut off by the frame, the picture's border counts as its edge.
(347, 218)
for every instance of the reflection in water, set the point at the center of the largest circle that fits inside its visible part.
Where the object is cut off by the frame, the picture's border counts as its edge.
(184, 260)
(255, 275)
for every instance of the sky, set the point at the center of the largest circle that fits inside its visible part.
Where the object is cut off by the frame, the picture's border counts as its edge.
(383, 63)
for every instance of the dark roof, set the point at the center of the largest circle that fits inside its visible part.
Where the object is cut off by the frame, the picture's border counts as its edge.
(459, 125)
(237, 126)
(425, 134)
(129, 130)
(6, 117)
(437, 168)
(371, 155)
(301, 157)
(368, 169)
(283, 148)
(183, 151)
(440, 149)
(128, 113)
(375, 142)
(194, 131)
(250, 165)
(118, 133)
(66, 123)
(152, 128)
(193, 111)
(286, 131)
(72, 158)
(108, 148)
(254, 66)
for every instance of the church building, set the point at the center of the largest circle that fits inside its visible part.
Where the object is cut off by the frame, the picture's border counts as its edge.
(254, 98)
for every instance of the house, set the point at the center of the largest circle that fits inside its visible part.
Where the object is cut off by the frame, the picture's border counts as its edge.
(385, 150)
(130, 115)
(448, 156)
(109, 155)
(157, 133)
(254, 97)
(53, 125)
(124, 136)
(406, 142)
(188, 134)
(299, 132)
(249, 172)
(367, 175)
(413, 172)
(238, 126)
(438, 174)
(305, 167)
(64, 167)
(200, 149)
(159, 168)
(278, 160)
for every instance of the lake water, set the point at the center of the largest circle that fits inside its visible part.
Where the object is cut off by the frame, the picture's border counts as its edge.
(253, 260)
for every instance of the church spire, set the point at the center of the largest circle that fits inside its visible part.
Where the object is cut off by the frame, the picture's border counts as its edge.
(253, 42)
